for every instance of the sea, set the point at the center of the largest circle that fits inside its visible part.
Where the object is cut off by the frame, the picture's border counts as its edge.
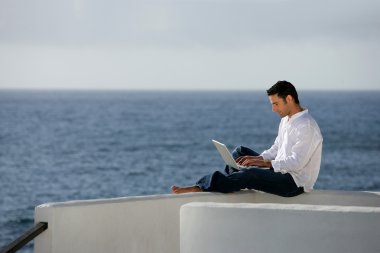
(74, 145)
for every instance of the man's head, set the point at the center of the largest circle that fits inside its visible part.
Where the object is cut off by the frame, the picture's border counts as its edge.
(283, 89)
(284, 98)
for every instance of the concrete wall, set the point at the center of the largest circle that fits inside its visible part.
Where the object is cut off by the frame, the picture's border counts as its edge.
(150, 223)
(241, 228)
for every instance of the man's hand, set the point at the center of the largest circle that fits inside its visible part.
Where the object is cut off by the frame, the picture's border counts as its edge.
(253, 161)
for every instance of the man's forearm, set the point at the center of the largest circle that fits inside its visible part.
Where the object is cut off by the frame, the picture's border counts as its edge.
(264, 163)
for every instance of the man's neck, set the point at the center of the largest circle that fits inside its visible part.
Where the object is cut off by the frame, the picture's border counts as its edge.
(297, 109)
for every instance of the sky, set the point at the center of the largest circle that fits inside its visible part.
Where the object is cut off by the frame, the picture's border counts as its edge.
(189, 44)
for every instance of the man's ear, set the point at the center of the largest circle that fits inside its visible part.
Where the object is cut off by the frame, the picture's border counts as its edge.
(289, 99)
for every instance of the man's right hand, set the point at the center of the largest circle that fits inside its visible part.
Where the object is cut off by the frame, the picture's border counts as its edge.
(250, 160)
(257, 161)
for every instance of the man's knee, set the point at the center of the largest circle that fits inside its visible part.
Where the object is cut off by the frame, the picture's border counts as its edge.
(237, 152)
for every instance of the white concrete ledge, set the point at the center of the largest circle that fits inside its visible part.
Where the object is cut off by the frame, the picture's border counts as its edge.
(286, 228)
(151, 223)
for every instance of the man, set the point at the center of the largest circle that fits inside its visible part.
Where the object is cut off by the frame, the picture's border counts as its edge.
(289, 168)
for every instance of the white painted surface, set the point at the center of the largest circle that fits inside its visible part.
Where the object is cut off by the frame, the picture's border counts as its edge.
(241, 228)
(150, 223)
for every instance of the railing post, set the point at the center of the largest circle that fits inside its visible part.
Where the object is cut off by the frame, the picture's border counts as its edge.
(25, 238)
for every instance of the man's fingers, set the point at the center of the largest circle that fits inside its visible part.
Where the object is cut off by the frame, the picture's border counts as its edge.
(248, 160)
(241, 159)
(244, 163)
(238, 160)
(244, 160)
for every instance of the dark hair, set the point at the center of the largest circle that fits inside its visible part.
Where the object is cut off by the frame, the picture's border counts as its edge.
(283, 89)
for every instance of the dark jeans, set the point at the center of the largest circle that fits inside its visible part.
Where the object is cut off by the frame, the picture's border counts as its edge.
(266, 180)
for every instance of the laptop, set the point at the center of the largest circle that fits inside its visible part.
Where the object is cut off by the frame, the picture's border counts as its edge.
(227, 156)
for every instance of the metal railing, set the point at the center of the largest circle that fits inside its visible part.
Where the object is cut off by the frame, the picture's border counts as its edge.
(25, 238)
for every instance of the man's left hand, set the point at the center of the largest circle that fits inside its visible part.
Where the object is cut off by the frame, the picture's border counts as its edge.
(253, 161)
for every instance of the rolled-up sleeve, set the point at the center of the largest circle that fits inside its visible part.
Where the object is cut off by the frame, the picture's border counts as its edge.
(270, 154)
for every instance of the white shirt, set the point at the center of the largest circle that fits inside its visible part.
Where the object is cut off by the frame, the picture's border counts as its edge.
(297, 149)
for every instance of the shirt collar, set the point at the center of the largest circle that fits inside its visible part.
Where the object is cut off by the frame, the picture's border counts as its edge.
(297, 115)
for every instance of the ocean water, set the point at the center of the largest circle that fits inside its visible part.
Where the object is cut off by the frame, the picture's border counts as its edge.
(62, 145)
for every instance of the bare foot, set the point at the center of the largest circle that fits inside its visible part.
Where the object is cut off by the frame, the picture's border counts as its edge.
(178, 190)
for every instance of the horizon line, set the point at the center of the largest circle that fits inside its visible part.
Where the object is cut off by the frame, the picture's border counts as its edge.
(166, 90)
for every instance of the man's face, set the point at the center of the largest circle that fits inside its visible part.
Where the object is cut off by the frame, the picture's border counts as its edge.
(279, 105)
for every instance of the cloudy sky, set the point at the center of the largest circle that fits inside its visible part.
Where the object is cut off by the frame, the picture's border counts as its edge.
(189, 44)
